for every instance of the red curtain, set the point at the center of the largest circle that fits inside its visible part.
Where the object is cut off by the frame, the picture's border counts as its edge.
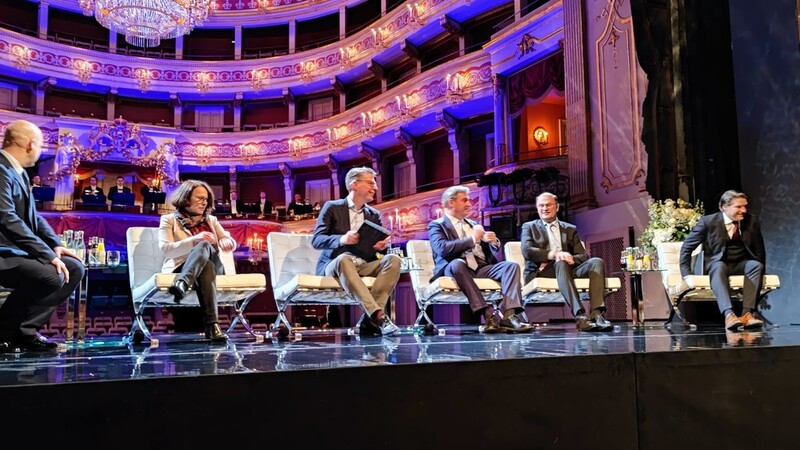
(534, 81)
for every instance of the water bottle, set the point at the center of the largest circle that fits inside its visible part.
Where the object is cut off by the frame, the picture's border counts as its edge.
(80, 246)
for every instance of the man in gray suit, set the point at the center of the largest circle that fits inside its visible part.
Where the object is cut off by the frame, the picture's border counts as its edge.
(33, 262)
(462, 249)
(553, 248)
(732, 245)
(336, 233)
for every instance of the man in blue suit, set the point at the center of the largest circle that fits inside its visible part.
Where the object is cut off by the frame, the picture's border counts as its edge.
(33, 262)
(462, 249)
(732, 245)
(336, 233)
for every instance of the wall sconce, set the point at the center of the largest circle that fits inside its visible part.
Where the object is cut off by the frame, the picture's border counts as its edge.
(346, 58)
(22, 57)
(258, 79)
(249, 154)
(335, 137)
(203, 83)
(541, 136)
(455, 93)
(264, 5)
(84, 70)
(143, 79)
(380, 38)
(367, 124)
(204, 154)
(307, 72)
(296, 148)
(404, 110)
(415, 14)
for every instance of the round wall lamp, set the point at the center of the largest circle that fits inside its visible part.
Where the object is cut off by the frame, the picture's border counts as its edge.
(541, 136)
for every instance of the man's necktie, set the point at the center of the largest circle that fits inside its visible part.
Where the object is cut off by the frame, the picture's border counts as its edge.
(472, 262)
(735, 234)
(555, 238)
(26, 180)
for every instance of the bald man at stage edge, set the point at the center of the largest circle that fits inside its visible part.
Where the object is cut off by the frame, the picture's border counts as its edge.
(41, 272)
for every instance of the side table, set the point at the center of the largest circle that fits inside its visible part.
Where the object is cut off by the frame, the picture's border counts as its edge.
(637, 296)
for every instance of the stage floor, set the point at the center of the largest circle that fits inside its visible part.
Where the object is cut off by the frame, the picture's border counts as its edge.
(186, 355)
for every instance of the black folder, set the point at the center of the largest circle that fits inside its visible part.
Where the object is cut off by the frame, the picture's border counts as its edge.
(369, 234)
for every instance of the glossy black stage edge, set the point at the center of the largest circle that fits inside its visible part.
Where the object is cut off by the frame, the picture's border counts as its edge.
(644, 389)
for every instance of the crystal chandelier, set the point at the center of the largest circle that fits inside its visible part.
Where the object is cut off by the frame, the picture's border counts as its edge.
(145, 22)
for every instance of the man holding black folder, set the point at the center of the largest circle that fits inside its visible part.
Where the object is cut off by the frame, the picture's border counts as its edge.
(350, 235)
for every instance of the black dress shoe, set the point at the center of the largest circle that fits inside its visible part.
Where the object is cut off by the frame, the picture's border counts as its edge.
(178, 289)
(215, 333)
(368, 328)
(513, 324)
(34, 343)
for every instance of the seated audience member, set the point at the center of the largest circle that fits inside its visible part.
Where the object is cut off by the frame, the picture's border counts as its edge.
(264, 206)
(36, 181)
(190, 239)
(554, 249)
(118, 188)
(462, 249)
(732, 245)
(336, 234)
(33, 261)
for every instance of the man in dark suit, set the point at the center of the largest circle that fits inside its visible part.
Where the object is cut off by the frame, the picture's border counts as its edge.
(264, 206)
(732, 245)
(237, 207)
(93, 193)
(33, 262)
(336, 234)
(119, 188)
(149, 188)
(553, 248)
(462, 249)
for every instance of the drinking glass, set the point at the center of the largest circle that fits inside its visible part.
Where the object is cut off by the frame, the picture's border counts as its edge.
(112, 258)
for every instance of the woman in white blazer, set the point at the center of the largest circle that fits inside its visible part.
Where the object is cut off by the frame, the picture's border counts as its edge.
(190, 239)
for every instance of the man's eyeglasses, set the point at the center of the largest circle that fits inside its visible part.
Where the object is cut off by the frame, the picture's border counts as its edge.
(370, 182)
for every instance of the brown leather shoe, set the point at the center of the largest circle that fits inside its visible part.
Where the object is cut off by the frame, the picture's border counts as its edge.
(732, 322)
(751, 322)
(513, 324)
(491, 326)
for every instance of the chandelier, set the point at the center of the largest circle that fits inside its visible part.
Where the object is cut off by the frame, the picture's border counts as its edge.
(145, 22)
(336, 137)
(415, 15)
(203, 156)
(367, 124)
(346, 57)
(249, 154)
(404, 109)
(296, 146)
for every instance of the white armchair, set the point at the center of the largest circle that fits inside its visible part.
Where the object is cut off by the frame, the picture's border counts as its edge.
(695, 287)
(149, 286)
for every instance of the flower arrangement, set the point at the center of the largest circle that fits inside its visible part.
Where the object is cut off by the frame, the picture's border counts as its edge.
(670, 221)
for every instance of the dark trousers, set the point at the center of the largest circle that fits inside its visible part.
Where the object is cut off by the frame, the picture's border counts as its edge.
(565, 277)
(718, 273)
(200, 271)
(505, 272)
(38, 290)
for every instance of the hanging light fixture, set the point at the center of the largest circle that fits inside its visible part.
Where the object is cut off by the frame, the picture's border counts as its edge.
(145, 22)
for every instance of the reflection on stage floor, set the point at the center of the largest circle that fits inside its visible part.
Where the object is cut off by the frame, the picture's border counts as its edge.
(187, 355)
